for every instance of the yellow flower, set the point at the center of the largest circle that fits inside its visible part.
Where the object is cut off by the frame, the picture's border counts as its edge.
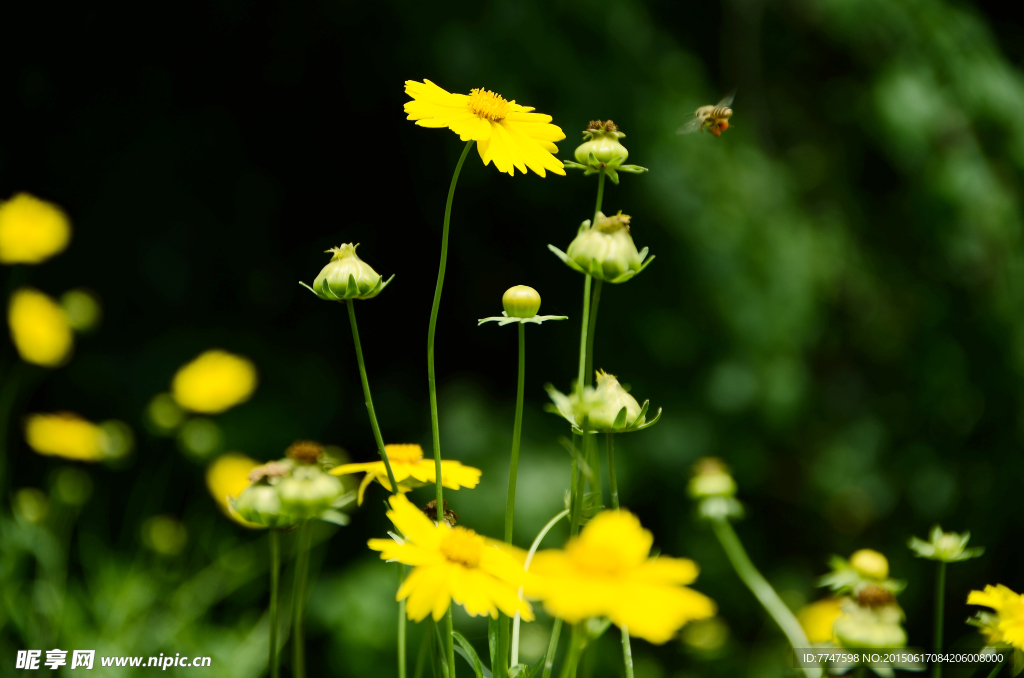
(818, 618)
(31, 230)
(606, 572)
(226, 478)
(39, 328)
(505, 132)
(411, 470)
(65, 435)
(1008, 627)
(451, 563)
(214, 382)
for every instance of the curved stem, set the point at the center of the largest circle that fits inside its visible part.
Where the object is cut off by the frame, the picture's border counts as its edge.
(594, 301)
(526, 568)
(299, 604)
(940, 596)
(401, 625)
(275, 571)
(366, 394)
(761, 589)
(613, 484)
(431, 378)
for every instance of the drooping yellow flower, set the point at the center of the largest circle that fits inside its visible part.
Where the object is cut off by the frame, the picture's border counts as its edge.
(451, 563)
(65, 435)
(226, 478)
(1008, 625)
(31, 230)
(606, 572)
(411, 470)
(39, 328)
(214, 382)
(505, 132)
(818, 618)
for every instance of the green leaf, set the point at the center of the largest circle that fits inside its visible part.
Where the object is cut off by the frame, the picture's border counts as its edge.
(493, 629)
(469, 654)
(1018, 662)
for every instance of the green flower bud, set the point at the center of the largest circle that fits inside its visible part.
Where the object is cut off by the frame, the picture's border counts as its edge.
(347, 276)
(946, 547)
(602, 139)
(606, 250)
(308, 492)
(260, 504)
(870, 564)
(521, 302)
(610, 398)
(711, 478)
(870, 626)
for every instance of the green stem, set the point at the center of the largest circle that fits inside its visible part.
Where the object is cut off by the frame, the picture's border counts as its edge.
(366, 394)
(613, 485)
(996, 669)
(526, 567)
(449, 644)
(549, 658)
(576, 646)
(600, 197)
(581, 374)
(940, 598)
(299, 606)
(401, 626)
(513, 471)
(431, 378)
(594, 301)
(761, 589)
(275, 571)
(627, 653)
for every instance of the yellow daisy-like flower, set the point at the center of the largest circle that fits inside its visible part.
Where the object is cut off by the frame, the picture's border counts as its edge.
(451, 563)
(505, 132)
(818, 618)
(39, 328)
(31, 230)
(606, 572)
(66, 435)
(226, 478)
(1008, 627)
(214, 382)
(411, 470)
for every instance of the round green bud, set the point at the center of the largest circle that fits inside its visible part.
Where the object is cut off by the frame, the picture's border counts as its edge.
(260, 503)
(870, 564)
(521, 301)
(607, 243)
(608, 400)
(82, 309)
(346, 276)
(308, 492)
(602, 139)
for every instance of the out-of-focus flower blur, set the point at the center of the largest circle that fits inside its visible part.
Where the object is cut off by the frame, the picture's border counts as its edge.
(214, 382)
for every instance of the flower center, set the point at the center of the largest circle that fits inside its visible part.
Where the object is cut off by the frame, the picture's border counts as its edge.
(404, 454)
(462, 546)
(487, 104)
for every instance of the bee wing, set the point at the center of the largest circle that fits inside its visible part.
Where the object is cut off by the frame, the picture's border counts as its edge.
(691, 127)
(727, 101)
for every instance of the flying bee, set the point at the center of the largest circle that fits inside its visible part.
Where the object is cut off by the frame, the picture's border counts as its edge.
(714, 119)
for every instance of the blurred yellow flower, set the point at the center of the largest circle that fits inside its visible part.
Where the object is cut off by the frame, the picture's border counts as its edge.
(31, 230)
(606, 572)
(1008, 624)
(65, 435)
(214, 382)
(505, 132)
(39, 328)
(818, 618)
(451, 563)
(411, 470)
(226, 477)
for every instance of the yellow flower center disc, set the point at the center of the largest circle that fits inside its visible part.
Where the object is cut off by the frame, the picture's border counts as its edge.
(463, 546)
(488, 105)
(404, 454)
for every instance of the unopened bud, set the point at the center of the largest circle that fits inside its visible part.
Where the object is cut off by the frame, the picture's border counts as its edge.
(347, 276)
(521, 301)
(602, 139)
(606, 249)
(308, 492)
(870, 564)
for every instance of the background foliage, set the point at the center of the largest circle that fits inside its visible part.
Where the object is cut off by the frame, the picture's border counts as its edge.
(837, 308)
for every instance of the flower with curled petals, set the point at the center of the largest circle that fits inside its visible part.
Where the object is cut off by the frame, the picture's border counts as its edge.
(1007, 624)
(509, 134)
(607, 571)
(451, 563)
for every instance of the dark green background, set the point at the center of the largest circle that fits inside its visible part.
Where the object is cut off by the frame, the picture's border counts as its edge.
(836, 309)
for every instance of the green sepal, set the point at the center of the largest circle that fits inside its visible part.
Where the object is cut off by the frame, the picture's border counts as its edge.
(632, 169)
(612, 174)
(503, 319)
(620, 420)
(566, 260)
(465, 649)
(573, 165)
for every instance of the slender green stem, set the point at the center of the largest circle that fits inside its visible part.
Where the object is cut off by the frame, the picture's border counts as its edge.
(627, 653)
(449, 645)
(581, 375)
(576, 492)
(997, 667)
(761, 589)
(595, 300)
(940, 599)
(613, 485)
(275, 571)
(431, 378)
(600, 196)
(576, 644)
(526, 567)
(549, 658)
(401, 625)
(366, 394)
(299, 604)
(513, 470)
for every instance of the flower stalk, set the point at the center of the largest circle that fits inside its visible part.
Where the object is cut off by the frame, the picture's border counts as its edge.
(299, 596)
(940, 599)
(275, 572)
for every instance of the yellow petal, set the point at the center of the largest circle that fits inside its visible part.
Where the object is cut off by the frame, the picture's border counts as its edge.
(669, 570)
(413, 523)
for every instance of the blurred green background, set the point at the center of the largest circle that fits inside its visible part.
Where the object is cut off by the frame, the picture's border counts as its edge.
(836, 309)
